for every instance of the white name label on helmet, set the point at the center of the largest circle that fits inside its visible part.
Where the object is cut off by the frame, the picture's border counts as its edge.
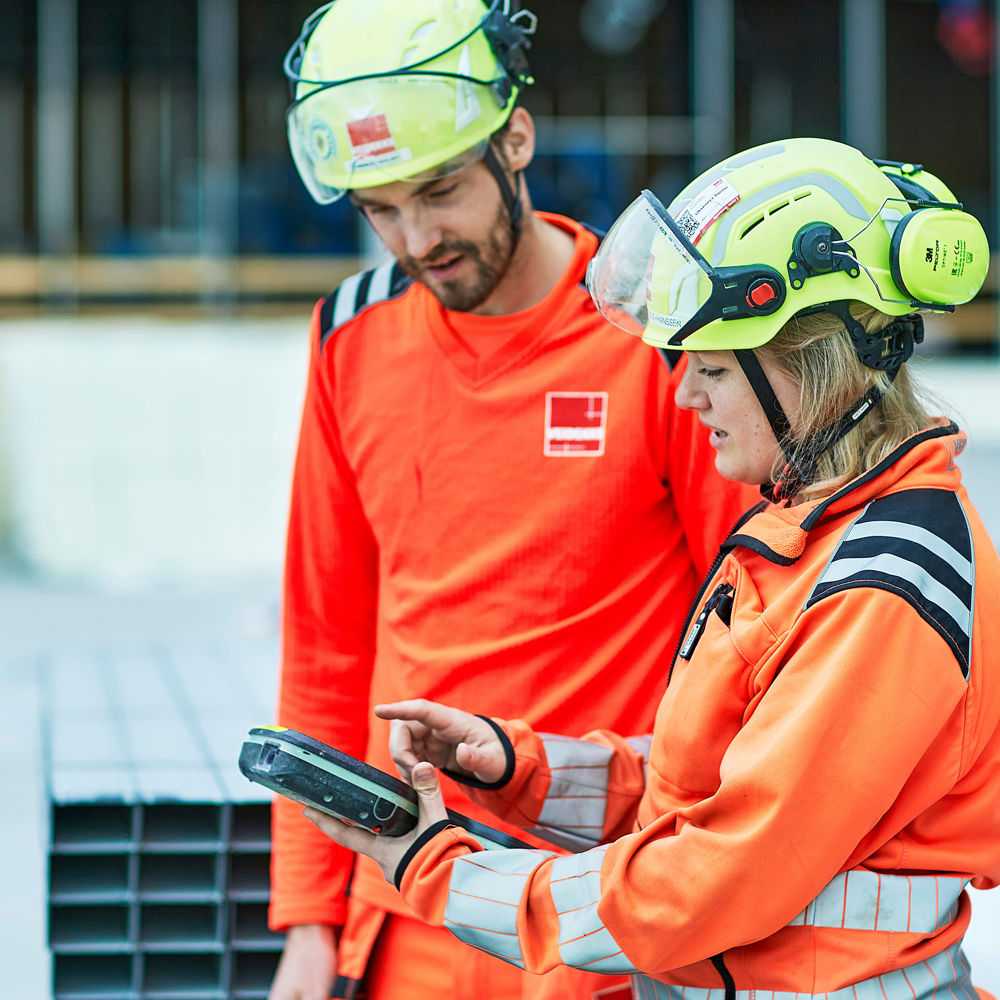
(705, 207)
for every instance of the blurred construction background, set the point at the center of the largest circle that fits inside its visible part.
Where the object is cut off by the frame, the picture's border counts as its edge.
(158, 260)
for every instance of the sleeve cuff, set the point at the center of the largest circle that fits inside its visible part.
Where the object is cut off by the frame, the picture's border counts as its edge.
(508, 773)
(429, 834)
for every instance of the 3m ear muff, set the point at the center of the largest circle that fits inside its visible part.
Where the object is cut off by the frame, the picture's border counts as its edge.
(938, 254)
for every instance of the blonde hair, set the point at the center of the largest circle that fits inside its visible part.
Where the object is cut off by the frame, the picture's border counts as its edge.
(817, 353)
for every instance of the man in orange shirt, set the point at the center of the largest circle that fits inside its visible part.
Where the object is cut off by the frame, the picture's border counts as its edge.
(495, 502)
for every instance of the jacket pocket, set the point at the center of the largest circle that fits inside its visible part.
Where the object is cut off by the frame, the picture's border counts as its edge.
(721, 602)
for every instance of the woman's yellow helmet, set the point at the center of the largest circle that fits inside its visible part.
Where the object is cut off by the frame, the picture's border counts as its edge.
(778, 229)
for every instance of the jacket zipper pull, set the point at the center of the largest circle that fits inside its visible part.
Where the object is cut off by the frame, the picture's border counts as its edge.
(719, 596)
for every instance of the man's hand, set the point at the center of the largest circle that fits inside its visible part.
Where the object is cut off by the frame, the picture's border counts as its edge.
(308, 964)
(445, 737)
(387, 852)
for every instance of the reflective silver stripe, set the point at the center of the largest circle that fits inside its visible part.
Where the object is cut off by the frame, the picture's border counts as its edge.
(483, 896)
(944, 976)
(379, 288)
(837, 190)
(921, 536)
(584, 941)
(641, 745)
(841, 568)
(578, 789)
(343, 309)
(346, 305)
(866, 901)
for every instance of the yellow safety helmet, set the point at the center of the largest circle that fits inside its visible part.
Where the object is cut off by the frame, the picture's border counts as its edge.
(778, 229)
(389, 90)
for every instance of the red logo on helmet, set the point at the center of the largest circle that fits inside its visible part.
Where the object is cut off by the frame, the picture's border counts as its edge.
(370, 136)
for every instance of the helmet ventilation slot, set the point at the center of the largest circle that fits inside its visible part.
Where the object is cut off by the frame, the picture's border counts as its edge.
(777, 208)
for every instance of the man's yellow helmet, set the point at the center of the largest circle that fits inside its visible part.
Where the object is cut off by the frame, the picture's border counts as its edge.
(389, 90)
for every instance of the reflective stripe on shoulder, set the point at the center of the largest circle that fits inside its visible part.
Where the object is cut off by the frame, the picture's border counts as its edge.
(916, 544)
(358, 292)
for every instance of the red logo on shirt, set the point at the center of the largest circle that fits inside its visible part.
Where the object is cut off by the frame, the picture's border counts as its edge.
(575, 423)
(370, 136)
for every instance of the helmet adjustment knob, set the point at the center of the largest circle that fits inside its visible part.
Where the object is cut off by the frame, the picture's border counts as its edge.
(813, 252)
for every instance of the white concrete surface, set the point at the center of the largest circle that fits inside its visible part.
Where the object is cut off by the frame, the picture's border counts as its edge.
(141, 451)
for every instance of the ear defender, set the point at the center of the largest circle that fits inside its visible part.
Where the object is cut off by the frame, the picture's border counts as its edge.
(938, 254)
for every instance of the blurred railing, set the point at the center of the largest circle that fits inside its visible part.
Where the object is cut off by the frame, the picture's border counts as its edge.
(29, 284)
(34, 282)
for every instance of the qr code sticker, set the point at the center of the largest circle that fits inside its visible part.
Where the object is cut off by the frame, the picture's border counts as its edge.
(688, 224)
(705, 208)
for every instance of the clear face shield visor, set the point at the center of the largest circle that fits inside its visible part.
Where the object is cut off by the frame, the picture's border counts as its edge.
(340, 139)
(648, 274)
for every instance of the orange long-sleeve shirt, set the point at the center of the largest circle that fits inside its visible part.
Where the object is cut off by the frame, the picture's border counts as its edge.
(521, 532)
(823, 777)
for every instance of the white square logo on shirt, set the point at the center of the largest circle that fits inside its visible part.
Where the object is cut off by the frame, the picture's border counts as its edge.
(575, 423)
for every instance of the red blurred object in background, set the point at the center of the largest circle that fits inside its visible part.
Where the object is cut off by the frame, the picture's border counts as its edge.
(965, 31)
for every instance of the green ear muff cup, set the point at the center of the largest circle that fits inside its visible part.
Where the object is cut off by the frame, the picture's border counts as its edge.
(939, 256)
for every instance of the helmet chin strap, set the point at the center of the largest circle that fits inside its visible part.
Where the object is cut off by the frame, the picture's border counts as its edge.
(776, 417)
(510, 195)
(883, 351)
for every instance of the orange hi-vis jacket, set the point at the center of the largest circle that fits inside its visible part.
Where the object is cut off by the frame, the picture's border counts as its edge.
(521, 531)
(822, 781)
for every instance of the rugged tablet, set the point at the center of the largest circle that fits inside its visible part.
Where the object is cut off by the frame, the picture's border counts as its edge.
(318, 775)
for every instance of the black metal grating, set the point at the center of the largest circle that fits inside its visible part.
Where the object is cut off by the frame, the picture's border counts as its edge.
(160, 901)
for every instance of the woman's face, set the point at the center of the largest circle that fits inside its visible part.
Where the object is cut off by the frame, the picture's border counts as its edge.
(714, 385)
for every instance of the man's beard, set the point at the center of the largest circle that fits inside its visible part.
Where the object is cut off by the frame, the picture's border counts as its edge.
(491, 262)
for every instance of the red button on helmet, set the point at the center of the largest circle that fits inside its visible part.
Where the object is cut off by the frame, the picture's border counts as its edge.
(760, 293)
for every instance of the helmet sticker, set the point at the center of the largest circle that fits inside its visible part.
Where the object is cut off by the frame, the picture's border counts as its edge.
(705, 208)
(467, 107)
(370, 136)
(372, 143)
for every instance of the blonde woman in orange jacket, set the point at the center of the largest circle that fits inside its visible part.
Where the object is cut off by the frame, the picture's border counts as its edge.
(823, 778)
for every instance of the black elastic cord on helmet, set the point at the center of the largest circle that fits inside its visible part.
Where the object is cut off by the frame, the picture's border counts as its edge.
(511, 195)
(802, 470)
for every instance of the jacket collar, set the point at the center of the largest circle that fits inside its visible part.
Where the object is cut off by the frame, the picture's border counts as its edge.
(926, 459)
